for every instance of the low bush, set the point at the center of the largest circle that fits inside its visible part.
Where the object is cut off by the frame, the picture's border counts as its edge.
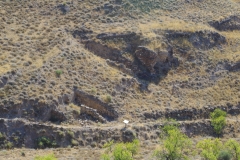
(46, 157)
(44, 142)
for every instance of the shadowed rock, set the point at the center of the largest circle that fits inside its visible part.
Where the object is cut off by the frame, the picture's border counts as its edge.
(203, 40)
(103, 109)
(231, 23)
(150, 58)
(235, 67)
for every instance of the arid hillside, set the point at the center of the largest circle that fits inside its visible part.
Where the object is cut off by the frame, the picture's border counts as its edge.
(72, 70)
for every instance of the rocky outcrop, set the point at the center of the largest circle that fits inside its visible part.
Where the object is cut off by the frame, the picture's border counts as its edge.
(229, 24)
(106, 52)
(142, 61)
(82, 33)
(201, 39)
(150, 58)
(32, 109)
(235, 67)
(191, 114)
(105, 110)
(147, 57)
(92, 112)
(28, 134)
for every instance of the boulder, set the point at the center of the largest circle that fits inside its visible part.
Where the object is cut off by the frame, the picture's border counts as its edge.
(150, 58)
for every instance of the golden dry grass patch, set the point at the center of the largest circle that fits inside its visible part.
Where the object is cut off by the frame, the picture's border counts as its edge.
(231, 35)
(5, 68)
(172, 24)
(221, 93)
(217, 55)
(40, 61)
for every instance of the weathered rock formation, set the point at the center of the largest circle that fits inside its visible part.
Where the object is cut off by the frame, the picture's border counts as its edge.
(92, 112)
(229, 24)
(201, 39)
(150, 58)
(24, 133)
(191, 114)
(235, 67)
(105, 110)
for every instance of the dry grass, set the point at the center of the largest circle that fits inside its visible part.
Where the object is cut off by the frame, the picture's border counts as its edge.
(223, 92)
(94, 75)
(5, 68)
(60, 153)
(173, 24)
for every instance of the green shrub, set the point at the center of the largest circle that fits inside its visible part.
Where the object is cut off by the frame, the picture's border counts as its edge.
(2, 136)
(58, 72)
(175, 144)
(170, 124)
(44, 142)
(71, 134)
(121, 151)
(108, 99)
(210, 149)
(74, 142)
(234, 148)
(133, 146)
(61, 134)
(224, 155)
(8, 145)
(109, 145)
(105, 157)
(46, 157)
(218, 120)
(23, 154)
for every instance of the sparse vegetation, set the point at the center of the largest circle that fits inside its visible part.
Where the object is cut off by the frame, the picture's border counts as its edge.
(70, 76)
(8, 145)
(46, 157)
(74, 142)
(61, 134)
(121, 151)
(108, 99)
(44, 142)
(58, 73)
(70, 134)
(76, 110)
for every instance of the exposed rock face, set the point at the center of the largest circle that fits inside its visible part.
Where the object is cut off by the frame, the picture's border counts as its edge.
(105, 110)
(106, 52)
(235, 67)
(28, 133)
(92, 112)
(142, 61)
(81, 33)
(128, 135)
(32, 110)
(230, 23)
(191, 114)
(201, 39)
(149, 58)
